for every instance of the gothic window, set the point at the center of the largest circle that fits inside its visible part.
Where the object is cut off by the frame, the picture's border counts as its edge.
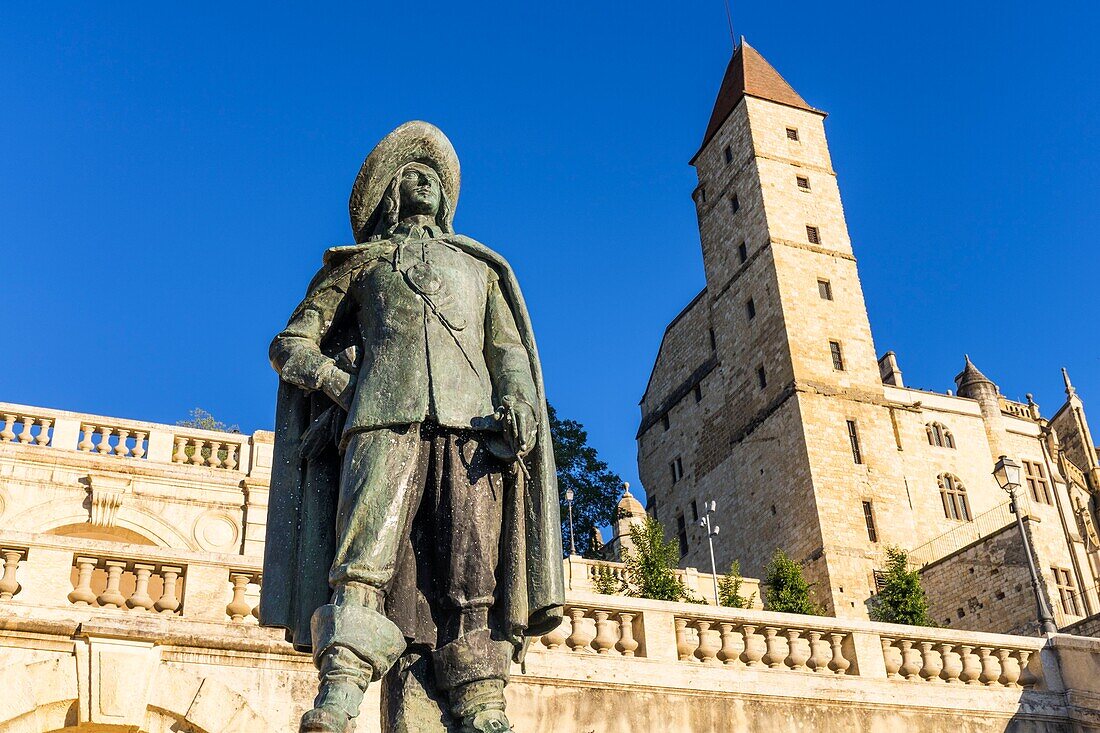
(837, 355)
(1037, 484)
(677, 468)
(939, 435)
(813, 235)
(792, 133)
(803, 182)
(1067, 592)
(743, 252)
(853, 441)
(953, 496)
(682, 533)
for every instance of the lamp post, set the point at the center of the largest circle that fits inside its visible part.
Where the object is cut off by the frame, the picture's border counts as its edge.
(569, 501)
(1007, 473)
(712, 529)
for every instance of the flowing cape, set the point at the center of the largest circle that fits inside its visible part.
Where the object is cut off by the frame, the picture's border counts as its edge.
(301, 516)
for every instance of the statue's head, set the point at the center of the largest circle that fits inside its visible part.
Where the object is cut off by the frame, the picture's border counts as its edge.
(412, 171)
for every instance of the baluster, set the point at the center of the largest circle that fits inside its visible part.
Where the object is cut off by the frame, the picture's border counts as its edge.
(238, 607)
(85, 443)
(991, 668)
(709, 643)
(25, 434)
(196, 457)
(180, 454)
(9, 586)
(231, 452)
(140, 599)
(952, 664)
(1010, 668)
(972, 666)
(122, 449)
(685, 645)
(910, 661)
(820, 654)
(213, 460)
(627, 643)
(44, 424)
(111, 597)
(931, 664)
(7, 435)
(838, 663)
(891, 655)
(82, 594)
(258, 580)
(732, 645)
(754, 647)
(1027, 677)
(584, 631)
(775, 654)
(139, 444)
(797, 655)
(168, 603)
(558, 636)
(607, 632)
(104, 446)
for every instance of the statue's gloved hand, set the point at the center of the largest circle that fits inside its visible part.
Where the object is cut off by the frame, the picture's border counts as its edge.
(338, 385)
(520, 424)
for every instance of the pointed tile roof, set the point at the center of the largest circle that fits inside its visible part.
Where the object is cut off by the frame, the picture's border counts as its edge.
(749, 74)
(970, 375)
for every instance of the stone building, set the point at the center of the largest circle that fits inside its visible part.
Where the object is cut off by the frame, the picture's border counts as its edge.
(769, 397)
(132, 564)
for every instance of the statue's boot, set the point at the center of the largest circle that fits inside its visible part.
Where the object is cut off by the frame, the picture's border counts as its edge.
(473, 669)
(352, 647)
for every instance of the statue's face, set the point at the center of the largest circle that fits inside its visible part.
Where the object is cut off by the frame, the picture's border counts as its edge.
(420, 190)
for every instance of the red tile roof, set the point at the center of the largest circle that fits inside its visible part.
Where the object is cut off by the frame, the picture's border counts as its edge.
(749, 74)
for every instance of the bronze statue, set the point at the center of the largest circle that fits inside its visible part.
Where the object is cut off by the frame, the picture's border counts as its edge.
(413, 529)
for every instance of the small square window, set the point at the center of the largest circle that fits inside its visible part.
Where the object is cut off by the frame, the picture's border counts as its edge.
(792, 133)
(735, 204)
(825, 289)
(813, 236)
(677, 468)
(803, 182)
(750, 308)
(694, 511)
(838, 356)
(729, 154)
(743, 252)
(761, 377)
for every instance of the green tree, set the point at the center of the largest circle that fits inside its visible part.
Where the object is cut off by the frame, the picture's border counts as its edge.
(729, 588)
(596, 489)
(785, 589)
(202, 420)
(650, 565)
(901, 600)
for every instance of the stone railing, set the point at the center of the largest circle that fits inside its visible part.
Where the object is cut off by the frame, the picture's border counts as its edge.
(582, 574)
(135, 440)
(763, 641)
(55, 574)
(983, 525)
(1016, 409)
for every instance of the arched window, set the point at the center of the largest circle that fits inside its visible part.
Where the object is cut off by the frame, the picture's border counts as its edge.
(953, 495)
(939, 435)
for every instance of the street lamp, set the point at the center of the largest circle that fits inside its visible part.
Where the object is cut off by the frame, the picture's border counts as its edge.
(569, 501)
(1007, 473)
(712, 529)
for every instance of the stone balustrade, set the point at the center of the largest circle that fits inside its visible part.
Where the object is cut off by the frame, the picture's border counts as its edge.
(919, 658)
(9, 582)
(583, 574)
(135, 440)
(112, 581)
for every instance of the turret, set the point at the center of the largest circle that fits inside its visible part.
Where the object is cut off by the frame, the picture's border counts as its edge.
(971, 383)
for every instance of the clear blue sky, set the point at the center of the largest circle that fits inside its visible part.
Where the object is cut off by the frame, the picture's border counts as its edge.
(169, 179)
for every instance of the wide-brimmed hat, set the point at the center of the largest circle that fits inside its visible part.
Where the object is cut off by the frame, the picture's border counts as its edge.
(412, 142)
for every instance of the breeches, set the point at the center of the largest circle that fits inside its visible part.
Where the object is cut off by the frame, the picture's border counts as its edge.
(435, 490)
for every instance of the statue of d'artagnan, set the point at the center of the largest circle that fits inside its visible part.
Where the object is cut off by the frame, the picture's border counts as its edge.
(413, 530)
